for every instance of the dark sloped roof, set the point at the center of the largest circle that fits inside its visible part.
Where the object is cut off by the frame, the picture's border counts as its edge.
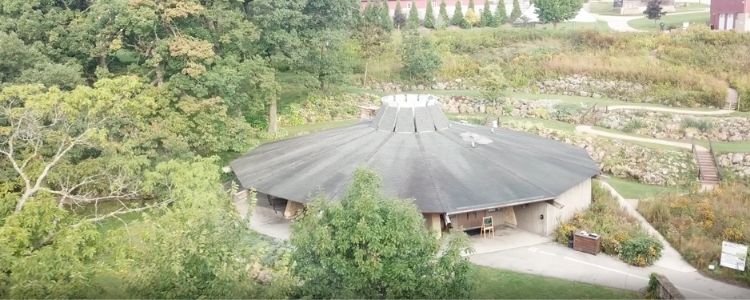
(421, 155)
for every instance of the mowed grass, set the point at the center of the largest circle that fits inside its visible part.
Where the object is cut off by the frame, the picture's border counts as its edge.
(492, 283)
(634, 190)
(728, 147)
(606, 8)
(699, 18)
(479, 119)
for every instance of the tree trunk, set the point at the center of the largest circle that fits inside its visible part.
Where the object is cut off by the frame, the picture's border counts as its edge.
(103, 61)
(159, 74)
(364, 78)
(272, 118)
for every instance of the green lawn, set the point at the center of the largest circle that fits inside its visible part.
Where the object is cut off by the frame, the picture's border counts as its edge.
(598, 25)
(315, 127)
(729, 147)
(605, 8)
(634, 190)
(492, 283)
(480, 118)
(670, 20)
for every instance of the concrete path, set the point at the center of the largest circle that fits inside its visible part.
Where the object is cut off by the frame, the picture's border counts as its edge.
(588, 129)
(620, 23)
(554, 260)
(732, 99)
(671, 259)
(672, 110)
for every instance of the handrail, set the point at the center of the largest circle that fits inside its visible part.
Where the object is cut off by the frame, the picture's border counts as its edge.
(713, 155)
(695, 156)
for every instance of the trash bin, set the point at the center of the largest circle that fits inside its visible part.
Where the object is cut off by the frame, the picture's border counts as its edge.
(587, 242)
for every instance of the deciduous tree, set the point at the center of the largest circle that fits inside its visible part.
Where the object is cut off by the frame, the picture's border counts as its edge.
(654, 10)
(556, 11)
(370, 246)
(420, 58)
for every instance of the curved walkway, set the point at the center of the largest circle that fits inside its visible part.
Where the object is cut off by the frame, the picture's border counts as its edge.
(718, 112)
(590, 130)
(620, 23)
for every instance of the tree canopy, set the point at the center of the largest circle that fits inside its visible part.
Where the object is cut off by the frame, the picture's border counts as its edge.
(556, 11)
(371, 246)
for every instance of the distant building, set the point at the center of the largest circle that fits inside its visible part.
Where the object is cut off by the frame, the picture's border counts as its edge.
(456, 174)
(730, 15)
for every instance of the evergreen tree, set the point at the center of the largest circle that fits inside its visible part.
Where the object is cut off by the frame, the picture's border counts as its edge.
(443, 13)
(385, 17)
(516, 12)
(398, 16)
(429, 16)
(471, 5)
(413, 20)
(501, 16)
(458, 16)
(487, 19)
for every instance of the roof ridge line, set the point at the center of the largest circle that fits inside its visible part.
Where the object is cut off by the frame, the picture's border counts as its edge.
(430, 172)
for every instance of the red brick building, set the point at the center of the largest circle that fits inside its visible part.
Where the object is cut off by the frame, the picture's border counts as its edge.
(730, 15)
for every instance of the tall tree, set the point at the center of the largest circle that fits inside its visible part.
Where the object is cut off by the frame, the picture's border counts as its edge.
(399, 19)
(370, 246)
(385, 16)
(472, 19)
(420, 58)
(443, 13)
(487, 20)
(516, 12)
(458, 16)
(501, 16)
(413, 20)
(654, 10)
(471, 5)
(372, 37)
(556, 11)
(429, 16)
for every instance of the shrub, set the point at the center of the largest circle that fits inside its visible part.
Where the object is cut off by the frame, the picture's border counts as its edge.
(621, 235)
(634, 125)
(702, 125)
(642, 250)
(696, 224)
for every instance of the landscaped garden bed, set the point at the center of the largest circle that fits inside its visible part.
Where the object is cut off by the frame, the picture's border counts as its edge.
(621, 234)
(696, 225)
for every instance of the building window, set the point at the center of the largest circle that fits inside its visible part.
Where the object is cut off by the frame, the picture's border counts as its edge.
(730, 22)
(722, 22)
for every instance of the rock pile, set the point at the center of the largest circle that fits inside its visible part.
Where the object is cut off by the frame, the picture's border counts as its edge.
(581, 85)
(390, 87)
(647, 165)
(737, 163)
(677, 127)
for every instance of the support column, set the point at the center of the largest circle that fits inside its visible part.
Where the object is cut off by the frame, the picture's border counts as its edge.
(291, 209)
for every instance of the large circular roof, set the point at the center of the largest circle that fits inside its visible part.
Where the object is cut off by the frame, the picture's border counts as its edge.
(446, 167)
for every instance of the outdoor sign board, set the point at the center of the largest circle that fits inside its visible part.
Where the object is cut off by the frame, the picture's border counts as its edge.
(733, 255)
